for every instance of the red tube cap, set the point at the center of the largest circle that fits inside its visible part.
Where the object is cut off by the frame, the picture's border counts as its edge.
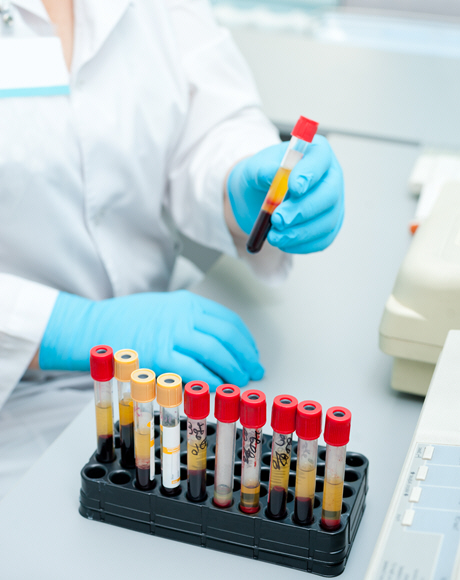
(227, 404)
(101, 363)
(338, 424)
(308, 422)
(305, 129)
(196, 400)
(283, 414)
(253, 409)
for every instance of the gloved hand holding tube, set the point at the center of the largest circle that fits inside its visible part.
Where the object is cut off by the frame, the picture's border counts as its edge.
(312, 212)
(178, 331)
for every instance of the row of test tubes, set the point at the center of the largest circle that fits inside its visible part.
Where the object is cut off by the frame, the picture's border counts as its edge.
(137, 390)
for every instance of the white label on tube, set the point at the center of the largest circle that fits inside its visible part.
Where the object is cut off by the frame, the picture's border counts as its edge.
(170, 468)
(152, 449)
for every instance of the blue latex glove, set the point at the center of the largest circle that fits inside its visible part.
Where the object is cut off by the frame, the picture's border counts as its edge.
(171, 331)
(311, 214)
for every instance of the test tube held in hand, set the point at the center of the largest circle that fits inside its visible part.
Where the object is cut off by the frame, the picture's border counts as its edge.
(169, 398)
(253, 415)
(102, 370)
(227, 413)
(308, 429)
(336, 436)
(143, 395)
(126, 361)
(283, 425)
(196, 407)
(302, 136)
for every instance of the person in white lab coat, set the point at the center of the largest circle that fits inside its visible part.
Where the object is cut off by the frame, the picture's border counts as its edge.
(162, 110)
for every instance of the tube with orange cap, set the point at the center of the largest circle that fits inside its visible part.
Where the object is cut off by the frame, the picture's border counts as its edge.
(227, 413)
(308, 429)
(196, 407)
(169, 398)
(126, 361)
(283, 425)
(143, 394)
(336, 436)
(253, 415)
(302, 136)
(101, 366)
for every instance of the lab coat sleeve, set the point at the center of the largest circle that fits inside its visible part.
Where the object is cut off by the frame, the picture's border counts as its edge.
(224, 125)
(25, 308)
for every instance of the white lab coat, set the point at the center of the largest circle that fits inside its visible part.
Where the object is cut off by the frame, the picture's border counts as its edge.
(93, 186)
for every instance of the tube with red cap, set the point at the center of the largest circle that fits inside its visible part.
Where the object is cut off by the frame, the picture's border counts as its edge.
(227, 413)
(336, 436)
(283, 425)
(196, 407)
(253, 415)
(302, 136)
(308, 429)
(102, 371)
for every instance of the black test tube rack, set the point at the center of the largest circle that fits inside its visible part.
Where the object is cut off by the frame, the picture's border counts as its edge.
(109, 494)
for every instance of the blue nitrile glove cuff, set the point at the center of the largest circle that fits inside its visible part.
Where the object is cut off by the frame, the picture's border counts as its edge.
(67, 350)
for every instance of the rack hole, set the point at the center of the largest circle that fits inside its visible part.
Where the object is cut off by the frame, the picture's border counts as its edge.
(236, 485)
(320, 469)
(156, 419)
(322, 454)
(157, 432)
(347, 491)
(319, 486)
(267, 459)
(157, 467)
(210, 430)
(158, 453)
(95, 472)
(238, 435)
(237, 470)
(293, 464)
(354, 460)
(120, 477)
(211, 463)
(183, 458)
(183, 474)
(117, 442)
(183, 424)
(351, 475)
(317, 503)
(264, 474)
(263, 490)
(290, 496)
(292, 480)
(344, 508)
(239, 453)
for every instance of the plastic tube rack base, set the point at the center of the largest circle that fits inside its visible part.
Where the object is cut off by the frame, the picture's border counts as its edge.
(109, 494)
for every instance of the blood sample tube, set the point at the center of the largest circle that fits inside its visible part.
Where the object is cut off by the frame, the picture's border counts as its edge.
(283, 425)
(308, 428)
(169, 397)
(336, 435)
(227, 413)
(101, 365)
(126, 361)
(143, 395)
(253, 415)
(196, 407)
(302, 136)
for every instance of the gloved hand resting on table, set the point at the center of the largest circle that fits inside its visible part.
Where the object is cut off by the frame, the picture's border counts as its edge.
(312, 212)
(171, 331)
